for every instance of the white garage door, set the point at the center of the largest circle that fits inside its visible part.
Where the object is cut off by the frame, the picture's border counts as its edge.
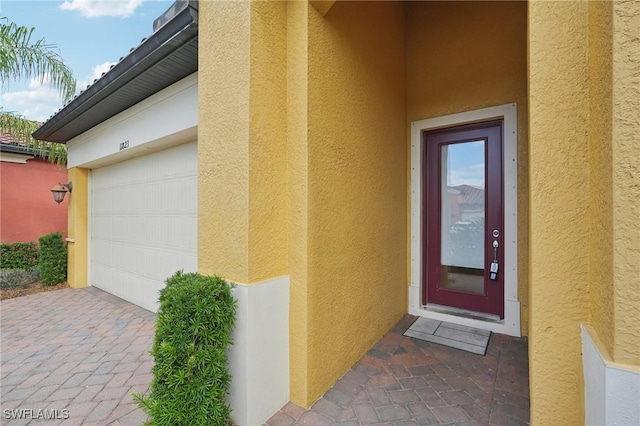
(143, 225)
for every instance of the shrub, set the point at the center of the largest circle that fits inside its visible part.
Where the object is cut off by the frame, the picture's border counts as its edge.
(53, 259)
(190, 373)
(18, 255)
(11, 278)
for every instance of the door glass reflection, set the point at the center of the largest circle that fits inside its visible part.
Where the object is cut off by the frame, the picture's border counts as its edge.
(462, 216)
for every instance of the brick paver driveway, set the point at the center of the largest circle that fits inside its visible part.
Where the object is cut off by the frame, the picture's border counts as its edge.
(406, 382)
(83, 352)
(76, 353)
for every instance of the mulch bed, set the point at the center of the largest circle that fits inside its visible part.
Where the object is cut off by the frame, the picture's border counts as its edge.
(32, 288)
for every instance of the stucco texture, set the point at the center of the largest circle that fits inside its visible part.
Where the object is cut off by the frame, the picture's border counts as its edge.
(463, 56)
(600, 166)
(585, 252)
(614, 170)
(78, 227)
(223, 140)
(242, 141)
(559, 201)
(357, 283)
(297, 196)
(303, 166)
(329, 207)
(302, 169)
(268, 142)
(626, 181)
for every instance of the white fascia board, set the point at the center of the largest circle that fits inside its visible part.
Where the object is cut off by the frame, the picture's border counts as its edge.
(9, 157)
(168, 118)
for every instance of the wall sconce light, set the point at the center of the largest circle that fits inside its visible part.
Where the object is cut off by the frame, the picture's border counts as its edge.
(59, 190)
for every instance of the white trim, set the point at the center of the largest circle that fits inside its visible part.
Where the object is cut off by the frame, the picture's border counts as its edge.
(259, 356)
(163, 120)
(9, 157)
(612, 391)
(509, 112)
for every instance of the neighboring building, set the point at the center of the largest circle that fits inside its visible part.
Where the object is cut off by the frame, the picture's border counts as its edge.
(28, 209)
(303, 150)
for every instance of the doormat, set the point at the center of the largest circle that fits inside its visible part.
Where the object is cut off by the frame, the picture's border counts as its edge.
(456, 336)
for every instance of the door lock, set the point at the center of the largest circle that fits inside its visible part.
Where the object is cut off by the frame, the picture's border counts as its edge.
(493, 270)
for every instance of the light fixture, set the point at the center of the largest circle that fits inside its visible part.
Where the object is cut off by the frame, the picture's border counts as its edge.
(59, 190)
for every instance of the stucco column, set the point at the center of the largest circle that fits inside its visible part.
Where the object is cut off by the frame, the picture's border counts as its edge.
(77, 219)
(242, 207)
(223, 140)
(584, 259)
(559, 202)
(242, 140)
(298, 200)
(626, 181)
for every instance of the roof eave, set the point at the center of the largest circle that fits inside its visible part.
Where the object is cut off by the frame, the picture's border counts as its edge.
(137, 62)
(17, 149)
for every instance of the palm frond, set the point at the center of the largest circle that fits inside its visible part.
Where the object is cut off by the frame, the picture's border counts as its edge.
(20, 59)
(19, 130)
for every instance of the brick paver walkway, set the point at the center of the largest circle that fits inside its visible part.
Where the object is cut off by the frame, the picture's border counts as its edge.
(84, 351)
(79, 350)
(403, 381)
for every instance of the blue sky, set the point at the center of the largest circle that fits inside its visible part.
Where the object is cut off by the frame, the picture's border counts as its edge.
(465, 164)
(90, 36)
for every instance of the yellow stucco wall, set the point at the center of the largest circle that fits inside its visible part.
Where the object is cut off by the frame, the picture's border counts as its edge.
(322, 6)
(302, 169)
(268, 142)
(242, 141)
(585, 168)
(626, 181)
(463, 56)
(559, 197)
(356, 184)
(303, 166)
(600, 176)
(223, 139)
(77, 219)
(297, 186)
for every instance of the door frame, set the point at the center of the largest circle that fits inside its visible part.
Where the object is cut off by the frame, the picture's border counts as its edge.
(492, 296)
(510, 325)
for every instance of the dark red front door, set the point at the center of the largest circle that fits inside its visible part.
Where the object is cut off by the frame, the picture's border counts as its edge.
(463, 218)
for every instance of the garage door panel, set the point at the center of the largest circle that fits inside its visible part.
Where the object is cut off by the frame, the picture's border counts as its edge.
(163, 264)
(101, 251)
(125, 258)
(103, 204)
(144, 223)
(101, 226)
(103, 273)
(130, 201)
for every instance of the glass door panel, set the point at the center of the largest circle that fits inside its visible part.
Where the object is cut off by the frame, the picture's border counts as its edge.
(462, 214)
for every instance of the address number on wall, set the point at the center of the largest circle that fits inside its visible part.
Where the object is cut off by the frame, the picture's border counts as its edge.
(124, 145)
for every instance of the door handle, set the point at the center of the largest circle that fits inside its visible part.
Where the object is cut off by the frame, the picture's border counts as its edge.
(493, 270)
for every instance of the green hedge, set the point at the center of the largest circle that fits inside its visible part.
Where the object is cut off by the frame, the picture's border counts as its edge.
(53, 259)
(18, 255)
(190, 373)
